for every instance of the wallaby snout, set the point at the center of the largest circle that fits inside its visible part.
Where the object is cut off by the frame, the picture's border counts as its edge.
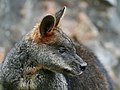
(83, 64)
(77, 65)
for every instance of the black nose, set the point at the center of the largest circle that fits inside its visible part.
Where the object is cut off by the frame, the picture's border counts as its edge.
(83, 66)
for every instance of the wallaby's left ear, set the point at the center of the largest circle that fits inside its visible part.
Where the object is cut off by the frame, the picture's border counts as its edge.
(47, 25)
(59, 15)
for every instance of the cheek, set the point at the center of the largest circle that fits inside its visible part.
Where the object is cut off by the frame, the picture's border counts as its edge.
(54, 55)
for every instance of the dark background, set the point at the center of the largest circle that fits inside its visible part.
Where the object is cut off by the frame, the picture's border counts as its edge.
(96, 23)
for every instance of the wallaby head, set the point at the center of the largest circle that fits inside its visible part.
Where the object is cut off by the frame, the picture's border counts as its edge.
(52, 49)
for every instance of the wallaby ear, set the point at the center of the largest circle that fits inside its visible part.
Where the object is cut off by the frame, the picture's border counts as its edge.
(59, 15)
(47, 25)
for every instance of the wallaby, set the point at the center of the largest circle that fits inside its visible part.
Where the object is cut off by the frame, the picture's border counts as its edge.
(46, 59)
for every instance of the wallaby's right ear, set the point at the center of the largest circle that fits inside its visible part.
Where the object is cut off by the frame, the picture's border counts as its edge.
(47, 25)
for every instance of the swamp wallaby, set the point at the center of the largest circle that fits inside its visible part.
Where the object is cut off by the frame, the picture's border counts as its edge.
(46, 59)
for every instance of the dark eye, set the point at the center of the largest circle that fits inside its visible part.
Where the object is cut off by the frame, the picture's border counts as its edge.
(62, 49)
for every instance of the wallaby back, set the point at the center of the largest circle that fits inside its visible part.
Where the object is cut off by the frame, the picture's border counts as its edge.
(95, 77)
(46, 59)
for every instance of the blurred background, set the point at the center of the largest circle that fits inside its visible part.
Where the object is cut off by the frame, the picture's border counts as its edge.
(95, 23)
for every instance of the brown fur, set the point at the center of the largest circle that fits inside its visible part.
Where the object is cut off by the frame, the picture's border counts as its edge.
(94, 68)
(35, 36)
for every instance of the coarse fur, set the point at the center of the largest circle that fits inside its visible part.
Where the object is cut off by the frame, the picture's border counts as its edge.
(46, 59)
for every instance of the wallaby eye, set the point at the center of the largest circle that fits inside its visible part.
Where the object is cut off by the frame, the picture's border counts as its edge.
(62, 49)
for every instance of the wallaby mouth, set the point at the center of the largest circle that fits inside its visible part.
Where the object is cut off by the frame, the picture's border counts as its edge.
(74, 69)
(66, 71)
(72, 73)
(77, 69)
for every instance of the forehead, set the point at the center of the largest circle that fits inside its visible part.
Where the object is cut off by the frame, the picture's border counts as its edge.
(62, 39)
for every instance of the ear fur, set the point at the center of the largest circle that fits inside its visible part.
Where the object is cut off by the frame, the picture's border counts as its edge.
(59, 15)
(47, 25)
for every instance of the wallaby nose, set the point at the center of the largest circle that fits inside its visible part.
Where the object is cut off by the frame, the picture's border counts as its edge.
(83, 66)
